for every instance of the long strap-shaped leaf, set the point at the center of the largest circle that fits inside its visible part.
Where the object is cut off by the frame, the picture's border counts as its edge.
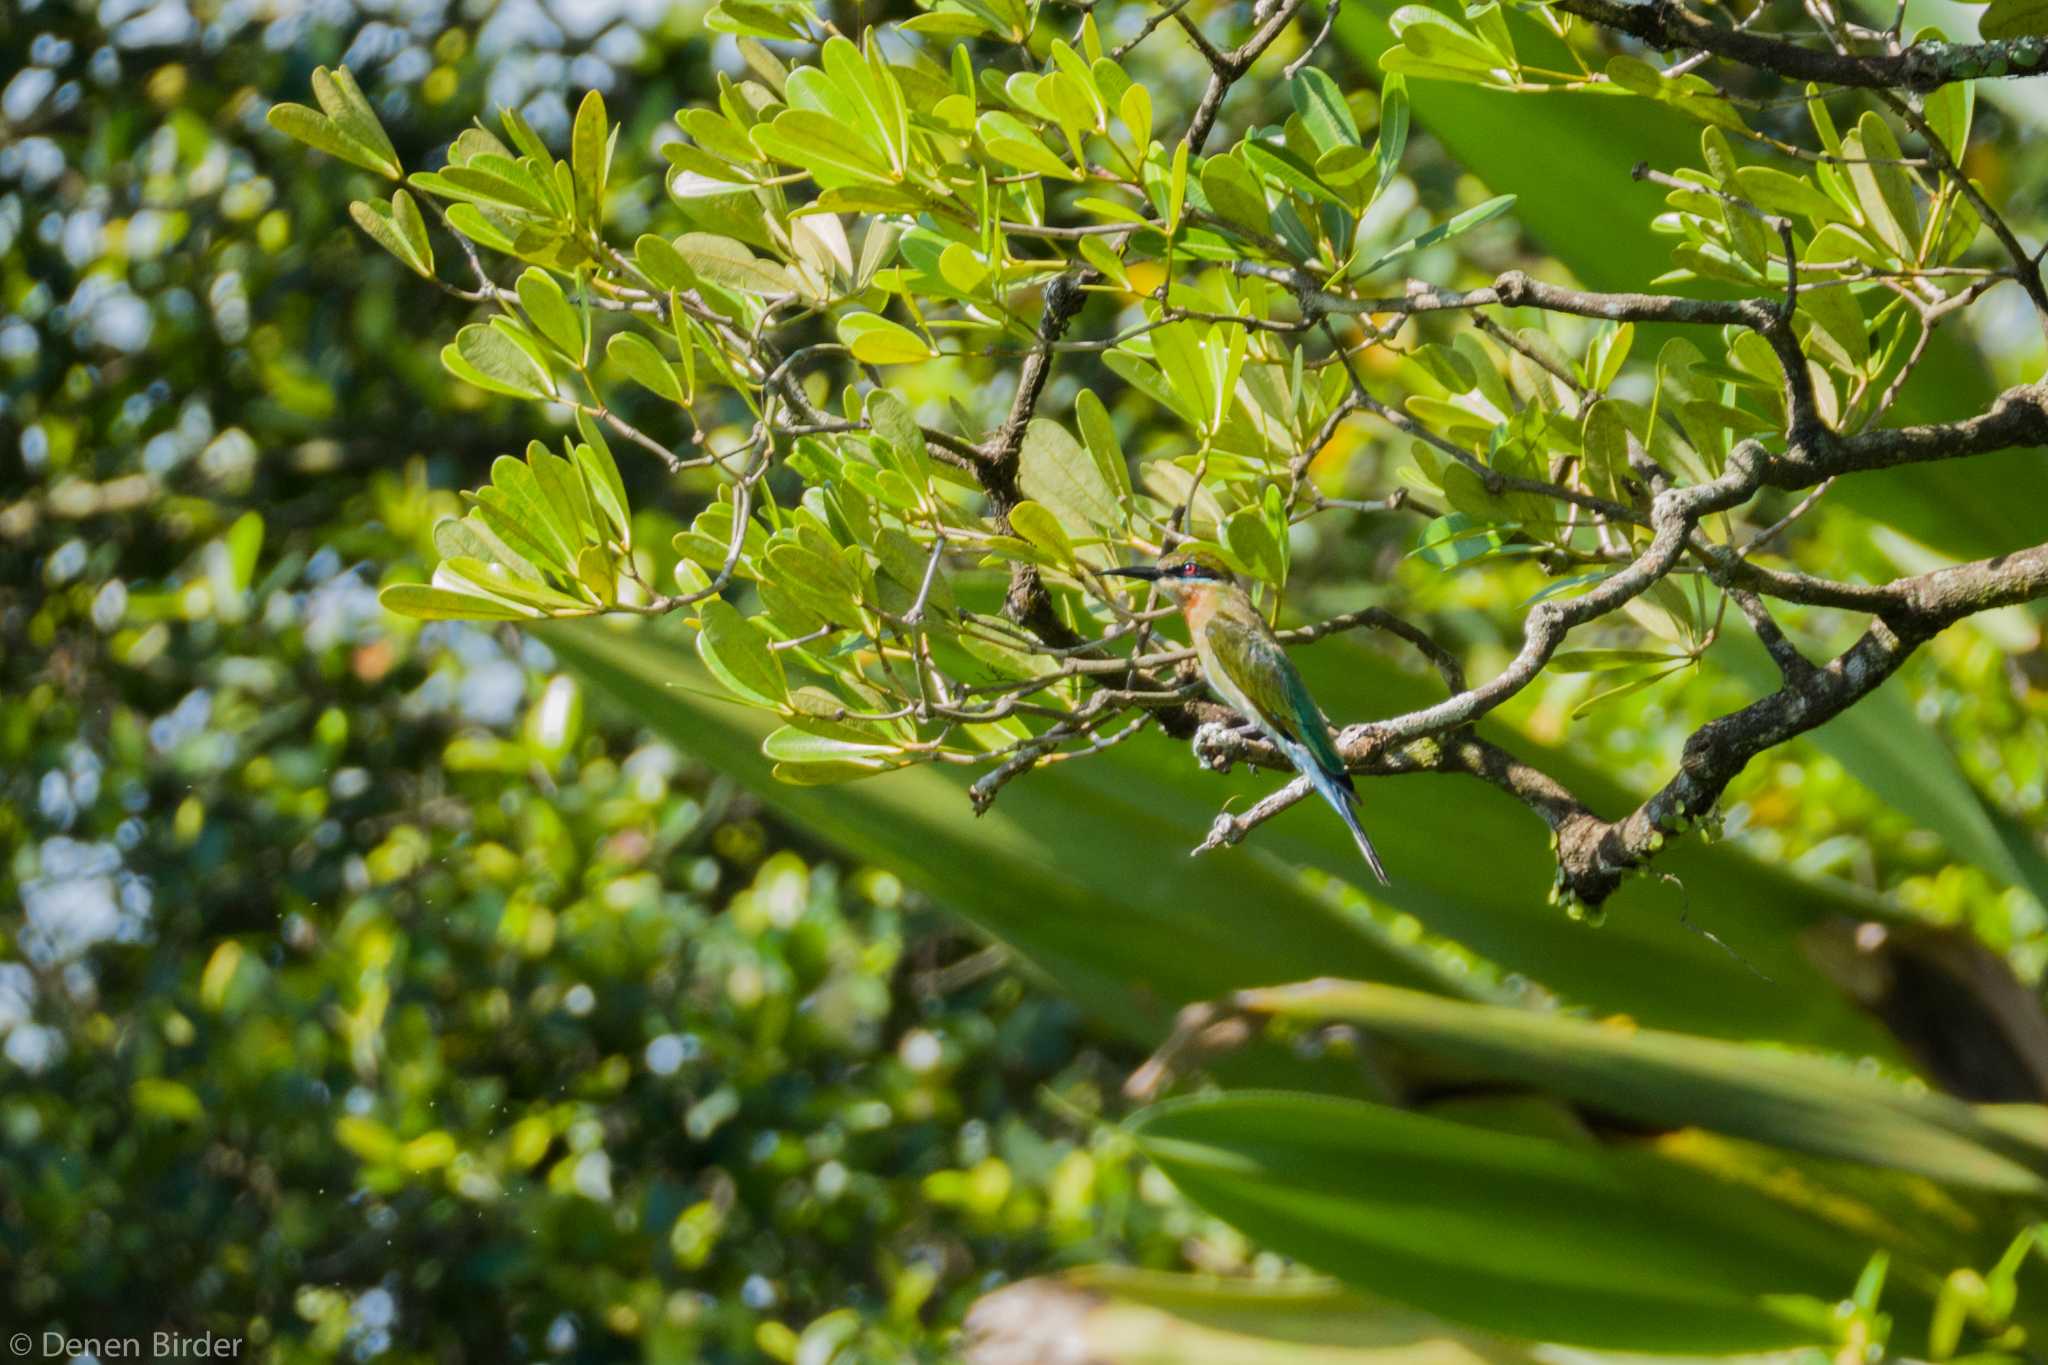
(1618, 1249)
(1803, 1103)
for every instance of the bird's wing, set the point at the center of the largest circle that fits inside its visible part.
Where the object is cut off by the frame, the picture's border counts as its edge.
(1260, 667)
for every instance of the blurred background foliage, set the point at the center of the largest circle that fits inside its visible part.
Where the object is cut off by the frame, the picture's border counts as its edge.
(371, 991)
(361, 991)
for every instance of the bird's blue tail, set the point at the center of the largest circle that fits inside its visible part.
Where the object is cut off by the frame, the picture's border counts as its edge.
(1335, 788)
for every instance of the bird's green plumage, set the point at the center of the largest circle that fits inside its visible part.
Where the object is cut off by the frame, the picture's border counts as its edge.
(1236, 644)
(1245, 665)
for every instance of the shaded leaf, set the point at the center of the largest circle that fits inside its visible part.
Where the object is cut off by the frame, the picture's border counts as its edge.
(1612, 1249)
(737, 653)
(1806, 1104)
(1055, 470)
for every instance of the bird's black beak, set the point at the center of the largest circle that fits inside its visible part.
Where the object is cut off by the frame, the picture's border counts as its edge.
(1147, 572)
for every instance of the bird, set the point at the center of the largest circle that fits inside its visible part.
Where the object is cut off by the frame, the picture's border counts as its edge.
(1244, 664)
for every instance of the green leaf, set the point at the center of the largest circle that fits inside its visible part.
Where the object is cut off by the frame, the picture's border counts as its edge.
(1637, 678)
(590, 156)
(872, 90)
(499, 582)
(1054, 469)
(322, 134)
(472, 538)
(488, 358)
(551, 313)
(1098, 432)
(1068, 99)
(1439, 40)
(1948, 112)
(533, 507)
(723, 261)
(496, 182)
(341, 99)
(1103, 257)
(426, 603)
(1251, 541)
(1606, 451)
(818, 581)
(960, 267)
(785, 20)
(1745, 230)
(1235, 195)
(834, 153)
(1883, 188)
(737, 653)
(1839, 328)
(662, 263)
(1622, 1250)
(1010, 142)
(1451, 227)
(649, 368)
(1177, 187)
(1178, 349)
(1603, 660)
(875, 340)
(2013, 19)
(486, 232)
(1323, 111)
(567, 499)
(398, 228)
(1454, 539)
(1343, 167)
(1135, 108)
(1775, 191)
(891, 419)
(792, 744)
(1290, 171)
(1805, 1104)
(1393, 138)
(1036, 524)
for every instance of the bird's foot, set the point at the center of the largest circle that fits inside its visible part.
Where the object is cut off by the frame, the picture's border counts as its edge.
(1213, 743)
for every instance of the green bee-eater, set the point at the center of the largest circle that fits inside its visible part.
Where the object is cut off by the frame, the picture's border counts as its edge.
(1245, 665)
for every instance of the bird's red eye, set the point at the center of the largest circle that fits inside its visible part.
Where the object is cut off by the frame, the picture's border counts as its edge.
(1190, 570)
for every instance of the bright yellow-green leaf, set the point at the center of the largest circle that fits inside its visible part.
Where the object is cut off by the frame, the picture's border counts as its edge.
(1012, 143)
(875, 340)
(590, 156)
(551, 313)
(398, 228)
(723, 261)
(650, 369)
(487, 358)
(427, 603)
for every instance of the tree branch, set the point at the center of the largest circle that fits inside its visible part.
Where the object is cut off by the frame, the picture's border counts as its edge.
(1000, 460)
(1595, 855)
(1668, 25)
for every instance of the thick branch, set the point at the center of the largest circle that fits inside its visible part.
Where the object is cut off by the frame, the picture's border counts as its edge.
(2018, 417)
(1669, 26)
(1000, 461)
